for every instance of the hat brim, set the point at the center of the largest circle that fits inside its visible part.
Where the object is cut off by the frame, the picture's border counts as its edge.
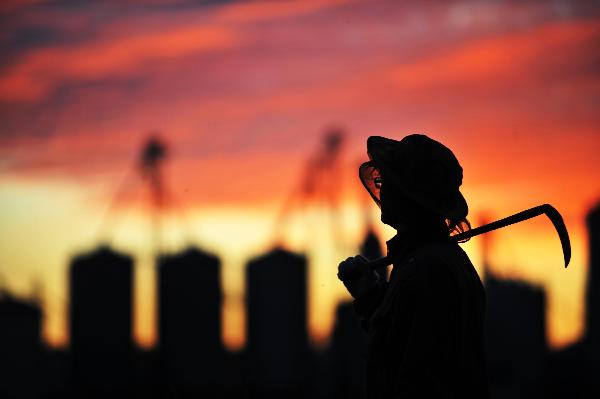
(376, 148)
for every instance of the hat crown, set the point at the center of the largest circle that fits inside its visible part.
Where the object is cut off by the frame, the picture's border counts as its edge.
(427, 162)
(421, 167)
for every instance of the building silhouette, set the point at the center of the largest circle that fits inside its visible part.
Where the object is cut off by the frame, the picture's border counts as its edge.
(189, 292)
(592, 318)
(515, 334)
(515, 338)
(100, 285)
(568, 373)
(20, 351)
(574, 369)
(277, 347)
(370, 247)
(349, 346)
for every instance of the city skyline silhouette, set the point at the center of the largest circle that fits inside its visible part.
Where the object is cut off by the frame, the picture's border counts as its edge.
(190, 358)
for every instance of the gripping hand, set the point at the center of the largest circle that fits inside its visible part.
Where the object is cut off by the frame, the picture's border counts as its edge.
(357, 275)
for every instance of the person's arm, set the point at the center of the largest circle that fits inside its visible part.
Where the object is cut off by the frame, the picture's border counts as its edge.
(366, 304)
(364, 284)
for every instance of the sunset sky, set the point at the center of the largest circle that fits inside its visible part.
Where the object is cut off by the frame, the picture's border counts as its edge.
(242, 93)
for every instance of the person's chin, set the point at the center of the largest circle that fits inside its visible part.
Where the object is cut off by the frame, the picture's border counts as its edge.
(385, 219)
(393, 222)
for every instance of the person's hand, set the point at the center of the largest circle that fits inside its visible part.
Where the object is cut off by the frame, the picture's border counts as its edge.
(357, 276)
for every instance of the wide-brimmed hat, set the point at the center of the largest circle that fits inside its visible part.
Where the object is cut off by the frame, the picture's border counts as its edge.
(421, 168)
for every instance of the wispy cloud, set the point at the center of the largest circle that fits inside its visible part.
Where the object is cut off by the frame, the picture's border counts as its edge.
(521, 57)
(39, 73)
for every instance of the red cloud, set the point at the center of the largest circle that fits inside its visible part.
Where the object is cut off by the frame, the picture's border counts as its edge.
(40, 72)
(490, 61)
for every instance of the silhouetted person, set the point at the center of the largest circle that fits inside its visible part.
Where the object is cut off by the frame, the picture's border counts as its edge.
(425, 327)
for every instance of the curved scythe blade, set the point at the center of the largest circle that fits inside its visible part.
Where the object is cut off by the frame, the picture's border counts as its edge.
(561, 229)
(545, 209)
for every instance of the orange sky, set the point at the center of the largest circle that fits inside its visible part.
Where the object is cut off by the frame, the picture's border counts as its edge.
(242, 92)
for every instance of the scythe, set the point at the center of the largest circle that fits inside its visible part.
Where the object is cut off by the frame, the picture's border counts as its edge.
(544, 209)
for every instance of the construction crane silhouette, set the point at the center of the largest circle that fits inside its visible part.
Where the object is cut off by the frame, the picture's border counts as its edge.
(148, 170)
(320, 184)
(152, 159)
(188, 285)
(276, 321)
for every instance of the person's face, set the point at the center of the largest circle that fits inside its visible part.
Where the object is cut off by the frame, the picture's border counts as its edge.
(393, 205)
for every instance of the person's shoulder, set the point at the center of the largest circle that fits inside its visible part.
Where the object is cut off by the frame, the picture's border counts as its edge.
(439, 251)
(439, 257)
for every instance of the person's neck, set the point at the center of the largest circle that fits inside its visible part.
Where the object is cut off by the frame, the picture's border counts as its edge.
(407, 238)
